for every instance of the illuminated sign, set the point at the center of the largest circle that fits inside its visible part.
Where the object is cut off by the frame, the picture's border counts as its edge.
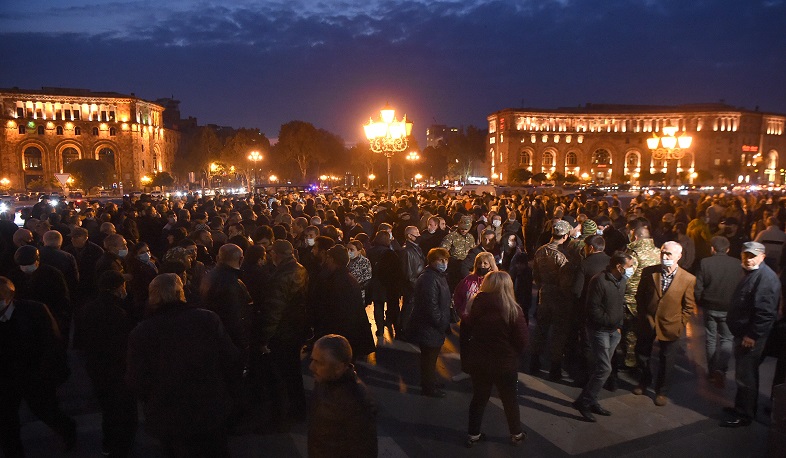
(750, 148)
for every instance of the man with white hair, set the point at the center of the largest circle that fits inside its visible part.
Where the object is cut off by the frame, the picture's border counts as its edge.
(52, 254)
(665, 302)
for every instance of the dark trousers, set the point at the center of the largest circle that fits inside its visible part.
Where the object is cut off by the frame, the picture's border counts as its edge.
(552, 320)
(383, 301)
(42, 400)
(666, 360)
(746, 375)
(118, 416)
(428, 367)
(506, 384)
(407, 305)
(602, 343)
(204, 444)
(287, 381)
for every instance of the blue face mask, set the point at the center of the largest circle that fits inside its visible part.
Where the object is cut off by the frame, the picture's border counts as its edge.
(628, 272)
(144, 257)
(442, 267)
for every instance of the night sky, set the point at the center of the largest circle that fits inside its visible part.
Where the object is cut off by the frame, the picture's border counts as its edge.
(335, 63)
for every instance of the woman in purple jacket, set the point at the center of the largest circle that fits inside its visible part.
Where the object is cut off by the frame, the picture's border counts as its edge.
(494, 335)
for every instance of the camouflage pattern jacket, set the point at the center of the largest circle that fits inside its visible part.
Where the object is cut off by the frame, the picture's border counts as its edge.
(550, 273)
(645, 254)
(458, 245)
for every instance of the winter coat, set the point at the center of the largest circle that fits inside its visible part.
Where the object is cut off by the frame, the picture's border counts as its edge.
(490, 345)
(431, 312)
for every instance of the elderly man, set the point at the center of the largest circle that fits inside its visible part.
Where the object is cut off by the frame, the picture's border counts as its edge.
(412, 264)
(33, 366)
(754, 309)
(52, 254)
(182, 366)
(665, 303)
(343, 418)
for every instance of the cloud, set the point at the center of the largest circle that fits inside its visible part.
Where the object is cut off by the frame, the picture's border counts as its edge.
(334, 63)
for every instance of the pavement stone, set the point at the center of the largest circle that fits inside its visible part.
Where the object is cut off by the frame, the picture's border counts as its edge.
(411, 425)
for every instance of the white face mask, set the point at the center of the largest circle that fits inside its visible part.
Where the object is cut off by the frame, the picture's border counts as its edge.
(122, 253)
(29, 268)
(310, 242)
(629, 272)
(667, 262)
(496, 223)
(600, 232)
(353, 254)
(756, 267)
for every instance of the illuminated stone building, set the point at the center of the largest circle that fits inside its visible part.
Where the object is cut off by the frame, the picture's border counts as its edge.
(45, 130)
(608, 143)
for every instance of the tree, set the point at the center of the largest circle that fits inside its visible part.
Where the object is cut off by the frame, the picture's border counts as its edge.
(200, 149)
(520, 175)
(539, 177)
(163, 179)
(298, 143)
(90, 173)
(557, 177)
(571, 179)
(703, 176)
(238, 146)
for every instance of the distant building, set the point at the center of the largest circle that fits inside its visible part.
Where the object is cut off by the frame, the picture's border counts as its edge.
(46, 129)
(438, 135)
(608, 143)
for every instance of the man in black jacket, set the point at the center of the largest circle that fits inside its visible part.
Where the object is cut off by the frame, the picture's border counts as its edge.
(51, 254)
(33, 365)
(343, 419)
(754, 309)
(412, 264)
(605, 306)
(104, 337)
(716, 280)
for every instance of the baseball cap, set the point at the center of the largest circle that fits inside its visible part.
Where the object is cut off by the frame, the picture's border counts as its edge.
(561, 228)
(754, 248)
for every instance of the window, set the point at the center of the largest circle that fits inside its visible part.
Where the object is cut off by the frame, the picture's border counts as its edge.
(32, 159)
(77, 115)
(601, 157)
(106, 154)
(95, 130)
(20, 112)
(111, 115)
(571, 160)
(548, 159)
(67, 114)
(77, 131)
(69, 155)
(112, 131)
(103, 116)
(525, 158)
(21, 129)
(59, 130)
(40, 130)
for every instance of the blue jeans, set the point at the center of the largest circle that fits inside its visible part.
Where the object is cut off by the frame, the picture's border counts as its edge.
(719, 342)
(602, 344)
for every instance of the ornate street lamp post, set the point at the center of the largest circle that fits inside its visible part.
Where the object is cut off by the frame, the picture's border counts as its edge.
(669, 146)
(254, 157)
(388, 135)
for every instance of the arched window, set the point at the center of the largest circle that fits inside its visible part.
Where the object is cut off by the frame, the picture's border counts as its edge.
(59, 130)
(33, 159)
(548, 159)
(95, 130)
(69, 155)
(632, 160)
(601, 157)
(525, 158)
(77, 131)
(571, 160)
(106, 154)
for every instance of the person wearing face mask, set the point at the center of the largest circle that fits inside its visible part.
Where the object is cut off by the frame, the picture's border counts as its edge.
(105, 329)
(432, 236)
(34, 364)
(412, 265)
(665, 302)
(39, 282)
(430, 319)
(115, 252)
(753, 311)
(468, 287)
(143, 269)
(604, 309)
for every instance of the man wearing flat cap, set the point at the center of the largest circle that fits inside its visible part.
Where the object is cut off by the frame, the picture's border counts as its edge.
(550, 275)
(754, 309)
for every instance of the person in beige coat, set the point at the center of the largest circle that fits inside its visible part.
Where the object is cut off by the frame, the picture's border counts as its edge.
(665, 302)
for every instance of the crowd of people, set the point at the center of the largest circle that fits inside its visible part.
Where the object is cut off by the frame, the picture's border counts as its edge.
(203, 308)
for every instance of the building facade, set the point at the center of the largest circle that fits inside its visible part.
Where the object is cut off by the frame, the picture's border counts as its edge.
(45, 130)
(608, 143)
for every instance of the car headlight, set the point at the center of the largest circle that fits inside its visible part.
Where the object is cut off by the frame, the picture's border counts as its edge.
(3, 207)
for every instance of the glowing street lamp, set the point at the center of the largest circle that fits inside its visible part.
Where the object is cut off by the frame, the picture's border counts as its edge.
(671, 146)
(272, 179)
(145, 180)
(255, 157)
(5, 182)
(388, 135)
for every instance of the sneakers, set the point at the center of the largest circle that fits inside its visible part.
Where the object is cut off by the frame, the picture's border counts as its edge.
(516, 439)
(639, 390)
(472, 440)
(661, 400)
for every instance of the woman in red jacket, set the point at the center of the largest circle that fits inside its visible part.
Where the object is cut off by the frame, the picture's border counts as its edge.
(493, 335)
